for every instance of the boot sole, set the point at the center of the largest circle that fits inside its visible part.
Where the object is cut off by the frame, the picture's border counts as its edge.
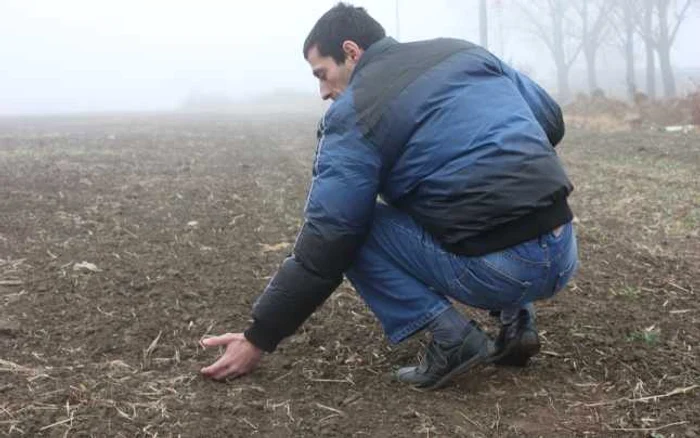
(472, 363)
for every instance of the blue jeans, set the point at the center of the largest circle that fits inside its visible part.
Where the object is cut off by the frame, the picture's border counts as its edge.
(407, 278)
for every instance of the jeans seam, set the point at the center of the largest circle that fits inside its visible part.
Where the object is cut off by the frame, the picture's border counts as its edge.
(458, 288)
(458, 285)
(522, 284)
(417, 235)
(522, 259)
(567, 272)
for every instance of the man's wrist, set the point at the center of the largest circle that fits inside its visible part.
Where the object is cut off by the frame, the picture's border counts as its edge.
(263, 336)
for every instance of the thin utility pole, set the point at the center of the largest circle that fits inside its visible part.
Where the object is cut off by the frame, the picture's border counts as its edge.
(501, 37)
(398, 22)
(483, 25)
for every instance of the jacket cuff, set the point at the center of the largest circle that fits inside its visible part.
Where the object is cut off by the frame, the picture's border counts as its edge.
(263, 336)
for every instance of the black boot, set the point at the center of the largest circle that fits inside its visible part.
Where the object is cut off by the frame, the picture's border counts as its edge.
(440, 364)
(517, 342)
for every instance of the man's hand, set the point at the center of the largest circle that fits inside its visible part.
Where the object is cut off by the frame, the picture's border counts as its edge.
(240, 358)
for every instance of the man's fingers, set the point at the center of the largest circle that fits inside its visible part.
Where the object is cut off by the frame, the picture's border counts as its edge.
(235, 362)
(216, 367)
(221, 369)
(226, 372)
(218, 340)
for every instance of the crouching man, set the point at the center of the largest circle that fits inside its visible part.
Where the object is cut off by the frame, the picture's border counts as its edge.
(460, 147)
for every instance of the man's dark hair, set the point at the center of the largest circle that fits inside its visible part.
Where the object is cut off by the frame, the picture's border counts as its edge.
(341, 23)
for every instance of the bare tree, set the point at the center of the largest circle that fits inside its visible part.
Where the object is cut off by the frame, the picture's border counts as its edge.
(647, 32)
(666, 36)
(594, 16)
(624, 24)
(551, 27)
(659, 33)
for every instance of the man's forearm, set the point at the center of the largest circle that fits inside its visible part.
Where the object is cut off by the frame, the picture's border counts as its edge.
(289, 299)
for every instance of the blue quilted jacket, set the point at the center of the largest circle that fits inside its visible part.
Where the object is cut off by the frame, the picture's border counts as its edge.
(442, 130)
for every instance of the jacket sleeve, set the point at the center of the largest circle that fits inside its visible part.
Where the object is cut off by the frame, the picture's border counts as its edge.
(338, 213)
(543, 106)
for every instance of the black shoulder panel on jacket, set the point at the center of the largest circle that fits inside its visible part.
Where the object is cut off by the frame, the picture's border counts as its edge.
(380, 81)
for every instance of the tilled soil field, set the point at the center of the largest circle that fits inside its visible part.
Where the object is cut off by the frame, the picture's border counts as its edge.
(125, 239)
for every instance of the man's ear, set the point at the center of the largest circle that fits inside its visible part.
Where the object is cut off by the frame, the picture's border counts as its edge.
(352, 51)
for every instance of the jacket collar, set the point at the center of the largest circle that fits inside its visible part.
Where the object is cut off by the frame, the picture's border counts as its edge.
(372, 52)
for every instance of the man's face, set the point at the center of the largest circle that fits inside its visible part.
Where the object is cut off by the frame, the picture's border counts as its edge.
(333, 78)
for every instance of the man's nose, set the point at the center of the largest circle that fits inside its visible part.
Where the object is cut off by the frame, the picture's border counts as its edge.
(325, 91)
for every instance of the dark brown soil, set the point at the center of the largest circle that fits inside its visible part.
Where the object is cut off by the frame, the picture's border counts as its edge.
(182, 219)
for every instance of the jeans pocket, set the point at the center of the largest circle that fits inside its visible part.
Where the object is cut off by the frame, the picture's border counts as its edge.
(490, 285)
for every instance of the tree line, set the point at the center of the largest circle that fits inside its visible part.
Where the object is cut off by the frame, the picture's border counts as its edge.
(573, 28)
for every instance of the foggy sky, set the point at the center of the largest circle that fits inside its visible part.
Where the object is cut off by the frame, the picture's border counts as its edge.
(95, 55)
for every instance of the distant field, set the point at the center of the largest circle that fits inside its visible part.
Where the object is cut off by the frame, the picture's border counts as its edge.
(182, 219)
